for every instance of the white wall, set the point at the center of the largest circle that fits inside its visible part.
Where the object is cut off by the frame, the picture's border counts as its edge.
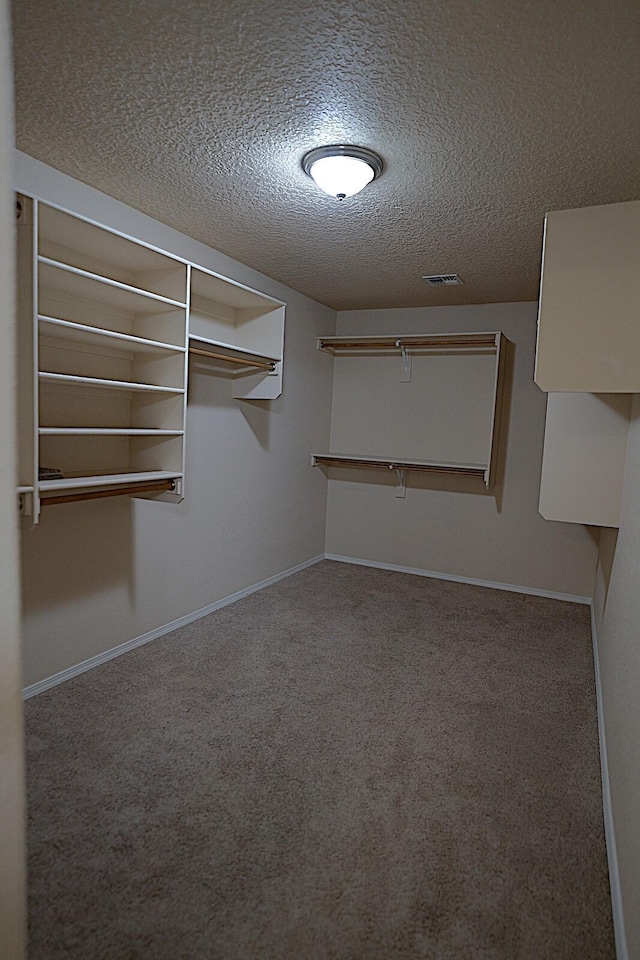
(12, 865)
(617, 618)
(99, 573)
(454, 525)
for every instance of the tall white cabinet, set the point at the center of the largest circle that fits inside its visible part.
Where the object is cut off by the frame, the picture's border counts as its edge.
(107, 326)
(588, 358)
(589, 317)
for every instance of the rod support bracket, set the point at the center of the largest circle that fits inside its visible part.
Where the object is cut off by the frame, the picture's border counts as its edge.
(405, 376)
(401, 484)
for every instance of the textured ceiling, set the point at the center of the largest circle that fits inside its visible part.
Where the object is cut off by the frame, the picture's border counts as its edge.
(487, 114)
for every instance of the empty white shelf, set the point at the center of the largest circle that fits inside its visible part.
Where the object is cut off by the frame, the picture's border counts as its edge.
(97, 336)
(64, 378)
(59, 282)
(106, 432)
(89, 246)
(86, 275)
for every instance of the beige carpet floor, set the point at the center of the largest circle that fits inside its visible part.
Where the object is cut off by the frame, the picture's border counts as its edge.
(352, 764)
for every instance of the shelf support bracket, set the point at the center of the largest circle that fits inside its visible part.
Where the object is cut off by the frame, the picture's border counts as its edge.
(401, 484)
(405, 376)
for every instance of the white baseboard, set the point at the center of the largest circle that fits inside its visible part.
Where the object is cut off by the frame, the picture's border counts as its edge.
(114, 652)
(74, 671)
(510, 587)
(622, 952)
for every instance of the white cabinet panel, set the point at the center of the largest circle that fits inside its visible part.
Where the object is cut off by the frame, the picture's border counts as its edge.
(589, 314)
(585, 446)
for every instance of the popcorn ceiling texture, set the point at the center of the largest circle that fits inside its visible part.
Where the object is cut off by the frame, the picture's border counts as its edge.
(486, 114)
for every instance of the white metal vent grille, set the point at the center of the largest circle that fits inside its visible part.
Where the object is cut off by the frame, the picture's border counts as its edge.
(444, 280)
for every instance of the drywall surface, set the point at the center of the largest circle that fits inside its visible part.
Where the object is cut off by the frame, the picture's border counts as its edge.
(99, 573)
(453, 525)
(617, 617)
(12, 852)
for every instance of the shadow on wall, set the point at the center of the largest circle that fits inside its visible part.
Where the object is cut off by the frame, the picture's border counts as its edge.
(606, 557)
(76, 550)
(213, 388)
(201, 374)
(419, 481)
(504, 421)
(259, 416)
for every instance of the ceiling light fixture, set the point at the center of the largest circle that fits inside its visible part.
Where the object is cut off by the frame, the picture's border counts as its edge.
(341, 170)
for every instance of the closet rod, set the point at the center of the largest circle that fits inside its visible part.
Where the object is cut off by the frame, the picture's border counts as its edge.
(160, 487)
(461, 470)
(271, 365)
(396, 343)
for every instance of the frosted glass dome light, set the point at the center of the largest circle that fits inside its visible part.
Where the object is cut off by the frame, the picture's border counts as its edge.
(341, 176)
(340, 170)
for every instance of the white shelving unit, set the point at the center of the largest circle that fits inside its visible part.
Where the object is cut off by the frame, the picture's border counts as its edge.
(416, 403)
(108, 341)
(240, 331)
(107, 326)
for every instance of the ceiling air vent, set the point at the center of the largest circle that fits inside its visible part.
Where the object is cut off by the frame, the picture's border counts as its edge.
(444, 280)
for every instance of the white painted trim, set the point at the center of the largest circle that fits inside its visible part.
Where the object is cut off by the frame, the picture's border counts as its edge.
(622, 952)
(77, 669)
(53, 681)
(510, 587)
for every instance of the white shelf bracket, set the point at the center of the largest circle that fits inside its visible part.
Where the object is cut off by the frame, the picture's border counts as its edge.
(405, 376)
(401, 484)
(25, 504)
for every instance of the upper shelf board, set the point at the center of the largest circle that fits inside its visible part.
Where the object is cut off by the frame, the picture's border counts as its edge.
(101, 383)
(82, 243)
(211, 287)
(90, 292)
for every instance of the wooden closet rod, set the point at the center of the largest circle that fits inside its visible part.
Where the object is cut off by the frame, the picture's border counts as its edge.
(396, 343)
(161, 486)
(400, 465)
(266, 365)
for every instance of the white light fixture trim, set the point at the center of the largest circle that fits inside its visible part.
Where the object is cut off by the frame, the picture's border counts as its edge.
(342, 170)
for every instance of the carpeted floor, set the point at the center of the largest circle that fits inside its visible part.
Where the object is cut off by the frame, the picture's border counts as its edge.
(349, 765)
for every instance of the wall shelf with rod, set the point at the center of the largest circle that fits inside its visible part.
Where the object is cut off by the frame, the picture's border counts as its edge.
(424, 466)
(395, 342)
(216, 350)
(239, 328)
(401, 467)
(430, 402)
(96, 493)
